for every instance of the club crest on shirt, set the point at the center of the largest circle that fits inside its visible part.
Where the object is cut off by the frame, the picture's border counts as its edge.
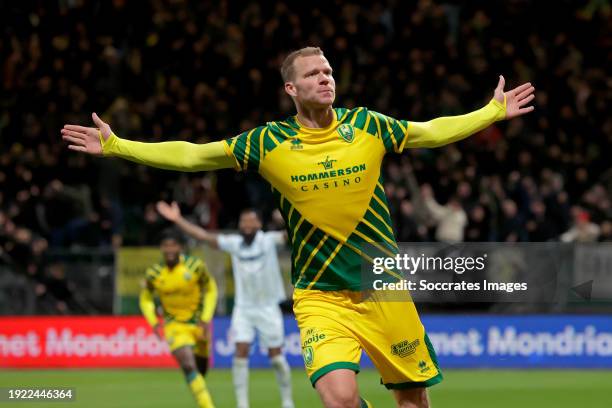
(346, 132)
(187, 276)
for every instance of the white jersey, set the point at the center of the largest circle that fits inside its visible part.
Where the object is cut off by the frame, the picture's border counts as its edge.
(257, 275)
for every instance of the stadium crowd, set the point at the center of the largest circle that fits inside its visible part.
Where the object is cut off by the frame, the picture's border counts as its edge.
(204, 71)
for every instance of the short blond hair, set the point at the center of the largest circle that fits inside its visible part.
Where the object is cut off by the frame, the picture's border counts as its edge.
(288, 70)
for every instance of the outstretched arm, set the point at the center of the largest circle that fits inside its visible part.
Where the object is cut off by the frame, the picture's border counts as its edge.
(172, 213)
(209, 287)
(445, 130)
(183, 156)
(147, 307)
(209, 302)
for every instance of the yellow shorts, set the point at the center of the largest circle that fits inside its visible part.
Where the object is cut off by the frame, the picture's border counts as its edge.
(335, 326)
(180, 334)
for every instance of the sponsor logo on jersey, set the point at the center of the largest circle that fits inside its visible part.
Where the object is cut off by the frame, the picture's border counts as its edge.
(327, 163)
(329, 178)
(322, 175)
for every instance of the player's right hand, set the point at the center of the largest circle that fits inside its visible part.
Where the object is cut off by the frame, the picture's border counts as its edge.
(87, 139)
(170, 212)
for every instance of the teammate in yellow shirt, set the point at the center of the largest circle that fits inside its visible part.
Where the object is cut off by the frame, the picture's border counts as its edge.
(188, 296)
(324, 165)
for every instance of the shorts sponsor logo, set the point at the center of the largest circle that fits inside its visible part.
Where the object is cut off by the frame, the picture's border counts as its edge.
(312, 336)
(404, 348)
(308, 354)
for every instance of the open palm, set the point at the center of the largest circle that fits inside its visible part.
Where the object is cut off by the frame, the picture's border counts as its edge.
(171, 212)
(516, 99)
(87, 139)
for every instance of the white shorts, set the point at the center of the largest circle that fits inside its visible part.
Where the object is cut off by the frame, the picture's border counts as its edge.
(266, 320)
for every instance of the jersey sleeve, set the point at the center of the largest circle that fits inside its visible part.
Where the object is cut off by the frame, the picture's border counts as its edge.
(247, 149)
(151, 274)
(278, 237)
(209, 287)
(434, 133)
(176, 155)
(145, 299)
(449, 129)
(228, 242)
(391, 132)
(201, 269)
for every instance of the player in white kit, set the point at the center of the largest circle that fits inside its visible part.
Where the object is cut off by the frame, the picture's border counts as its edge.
(259, 289)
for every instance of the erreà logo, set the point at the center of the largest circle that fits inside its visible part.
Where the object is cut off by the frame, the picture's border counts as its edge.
(423, 366)
(296, 144)
(346, 132)
(327, 164)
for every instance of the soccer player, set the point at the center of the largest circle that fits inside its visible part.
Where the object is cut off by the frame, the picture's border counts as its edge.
(188, 296)
(324, 165)
(259, 290)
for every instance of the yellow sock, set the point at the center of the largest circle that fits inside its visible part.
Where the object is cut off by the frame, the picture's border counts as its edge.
(199, 390)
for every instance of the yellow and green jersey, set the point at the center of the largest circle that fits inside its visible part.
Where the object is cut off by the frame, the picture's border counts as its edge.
(327, 181)
(328, 186)
(181, 288)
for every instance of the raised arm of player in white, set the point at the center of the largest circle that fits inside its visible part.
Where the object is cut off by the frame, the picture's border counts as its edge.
(172, 213)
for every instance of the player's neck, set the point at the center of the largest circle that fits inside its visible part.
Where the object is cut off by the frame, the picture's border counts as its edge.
(315, 118)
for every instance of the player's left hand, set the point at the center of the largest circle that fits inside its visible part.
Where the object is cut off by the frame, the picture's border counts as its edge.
(516, 98)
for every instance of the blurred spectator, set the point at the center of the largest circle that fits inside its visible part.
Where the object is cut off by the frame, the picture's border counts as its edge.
(513, 226)
(583, 229)
(606, 232)
(477, 229)
(63, 212)
(410, 229)
(56, 295)
(539, 227)
(450, 219)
